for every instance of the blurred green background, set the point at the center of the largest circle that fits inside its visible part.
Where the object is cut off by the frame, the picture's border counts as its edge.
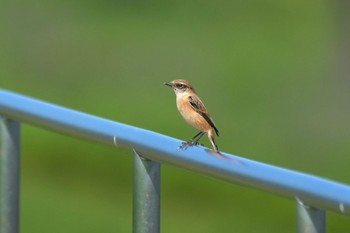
(269, 72)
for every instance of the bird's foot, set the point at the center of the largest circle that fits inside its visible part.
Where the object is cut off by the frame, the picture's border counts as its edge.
(189, 143)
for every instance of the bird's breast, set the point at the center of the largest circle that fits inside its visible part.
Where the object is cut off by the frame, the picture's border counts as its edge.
(191, 116)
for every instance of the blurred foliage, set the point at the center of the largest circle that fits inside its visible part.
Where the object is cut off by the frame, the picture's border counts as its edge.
(263, 68)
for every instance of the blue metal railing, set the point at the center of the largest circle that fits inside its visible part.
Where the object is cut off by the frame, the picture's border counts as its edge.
(313, 194)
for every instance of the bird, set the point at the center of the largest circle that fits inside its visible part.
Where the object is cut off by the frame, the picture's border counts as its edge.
(194, 112)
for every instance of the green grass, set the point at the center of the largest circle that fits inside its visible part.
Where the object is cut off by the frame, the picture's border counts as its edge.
(264, 70)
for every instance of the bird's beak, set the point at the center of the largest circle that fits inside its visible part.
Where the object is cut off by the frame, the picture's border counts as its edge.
(168, 84)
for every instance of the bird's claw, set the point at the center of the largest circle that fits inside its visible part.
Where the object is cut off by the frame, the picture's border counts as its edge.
(189, 143)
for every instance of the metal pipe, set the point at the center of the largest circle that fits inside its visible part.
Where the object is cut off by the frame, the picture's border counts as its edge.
(316, 191)
(310, 219)
(9, 175)
(146, 195)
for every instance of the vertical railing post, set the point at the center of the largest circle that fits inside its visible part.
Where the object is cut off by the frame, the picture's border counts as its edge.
(146, 195)
(9, 175)
(310, 219)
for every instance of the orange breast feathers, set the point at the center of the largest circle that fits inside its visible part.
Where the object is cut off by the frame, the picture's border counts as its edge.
(193, 113)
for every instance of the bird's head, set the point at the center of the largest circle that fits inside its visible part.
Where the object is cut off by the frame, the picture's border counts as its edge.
(180, 86)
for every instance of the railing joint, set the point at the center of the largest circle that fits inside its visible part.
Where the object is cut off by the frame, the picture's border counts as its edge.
(310, 219)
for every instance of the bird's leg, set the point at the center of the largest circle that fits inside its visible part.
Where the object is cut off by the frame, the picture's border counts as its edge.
(192, 142)
(213, 143)
(195, 139)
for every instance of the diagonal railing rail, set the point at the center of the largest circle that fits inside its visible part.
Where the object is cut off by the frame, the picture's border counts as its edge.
(313, 195)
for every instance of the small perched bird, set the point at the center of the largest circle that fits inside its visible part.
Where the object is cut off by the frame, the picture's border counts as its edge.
(194, 112)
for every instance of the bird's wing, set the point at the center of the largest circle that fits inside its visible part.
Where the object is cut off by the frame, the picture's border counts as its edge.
(199, 107)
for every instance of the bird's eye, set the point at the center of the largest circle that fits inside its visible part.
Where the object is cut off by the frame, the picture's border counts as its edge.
(180, 86)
